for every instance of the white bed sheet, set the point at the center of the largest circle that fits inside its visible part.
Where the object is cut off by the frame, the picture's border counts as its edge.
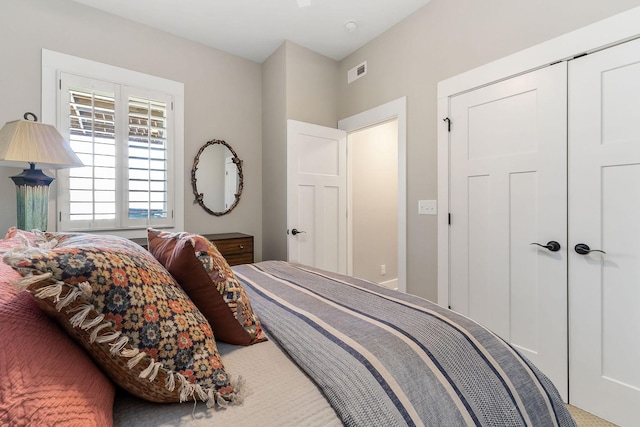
(277, 394)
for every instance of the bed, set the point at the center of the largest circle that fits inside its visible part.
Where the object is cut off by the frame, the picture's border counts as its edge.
(344, 351)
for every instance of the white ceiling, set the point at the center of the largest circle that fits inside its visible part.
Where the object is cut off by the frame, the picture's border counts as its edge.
(254, 29)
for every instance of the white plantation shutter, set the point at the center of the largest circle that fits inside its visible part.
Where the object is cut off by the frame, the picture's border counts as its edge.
(148, 172)
(122, 135)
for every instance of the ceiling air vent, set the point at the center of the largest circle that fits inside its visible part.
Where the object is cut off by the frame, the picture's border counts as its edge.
(356, 72)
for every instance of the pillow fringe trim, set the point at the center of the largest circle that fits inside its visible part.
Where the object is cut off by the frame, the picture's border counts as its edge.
(119, 344)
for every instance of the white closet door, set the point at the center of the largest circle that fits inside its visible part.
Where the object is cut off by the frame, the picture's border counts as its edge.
(507, 190)
(604, 213)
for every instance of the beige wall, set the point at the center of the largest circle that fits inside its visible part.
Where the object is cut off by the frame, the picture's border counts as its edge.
(441, 40)
(222, 92)
(373, 189)
(312, 87)
(301, 85)
(225, 97)
(274, 149)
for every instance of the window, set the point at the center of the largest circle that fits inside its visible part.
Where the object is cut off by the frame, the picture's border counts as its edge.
(122, 135)
(125, 134)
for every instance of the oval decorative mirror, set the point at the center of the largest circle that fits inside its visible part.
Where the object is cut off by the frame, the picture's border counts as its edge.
(216, 177)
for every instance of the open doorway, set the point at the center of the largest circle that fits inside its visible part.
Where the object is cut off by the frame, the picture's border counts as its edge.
(396, 112)
(373, 198)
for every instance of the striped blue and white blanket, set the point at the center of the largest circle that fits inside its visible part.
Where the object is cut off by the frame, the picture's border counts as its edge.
(383, 358)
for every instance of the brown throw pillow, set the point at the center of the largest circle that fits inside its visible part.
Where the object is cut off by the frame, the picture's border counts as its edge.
(206, 277)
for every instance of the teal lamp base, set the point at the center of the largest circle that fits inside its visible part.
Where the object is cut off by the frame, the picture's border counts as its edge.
(32, 192)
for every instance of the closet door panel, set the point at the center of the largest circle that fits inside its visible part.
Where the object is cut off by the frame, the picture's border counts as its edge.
(604, 213)
(508, 190)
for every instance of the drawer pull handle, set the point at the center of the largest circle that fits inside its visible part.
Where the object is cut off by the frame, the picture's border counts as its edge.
(241, 246)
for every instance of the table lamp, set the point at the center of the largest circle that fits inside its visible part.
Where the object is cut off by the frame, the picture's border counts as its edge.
(30, 141)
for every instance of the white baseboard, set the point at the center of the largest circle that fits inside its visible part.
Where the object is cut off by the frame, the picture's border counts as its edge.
(391, 284)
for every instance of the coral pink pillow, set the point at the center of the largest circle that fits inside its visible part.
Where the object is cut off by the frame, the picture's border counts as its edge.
(46, 378)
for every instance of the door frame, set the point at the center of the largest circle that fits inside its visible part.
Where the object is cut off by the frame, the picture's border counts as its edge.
(396, 109)
(600, 35)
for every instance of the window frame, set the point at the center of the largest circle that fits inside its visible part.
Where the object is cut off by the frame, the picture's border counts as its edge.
(54, 64)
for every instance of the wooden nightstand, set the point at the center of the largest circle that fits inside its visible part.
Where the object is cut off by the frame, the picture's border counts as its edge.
(236, 248)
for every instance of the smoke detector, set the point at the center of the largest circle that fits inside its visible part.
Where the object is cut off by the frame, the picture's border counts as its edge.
(350, 26)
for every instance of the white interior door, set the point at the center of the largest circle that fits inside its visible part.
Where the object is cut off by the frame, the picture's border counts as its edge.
(604, 213)
(508, 190)
(317, 196)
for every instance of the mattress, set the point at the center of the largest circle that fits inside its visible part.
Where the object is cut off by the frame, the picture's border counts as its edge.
(278, 393)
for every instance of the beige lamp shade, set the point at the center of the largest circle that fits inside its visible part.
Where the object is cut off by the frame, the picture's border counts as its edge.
(29, 141)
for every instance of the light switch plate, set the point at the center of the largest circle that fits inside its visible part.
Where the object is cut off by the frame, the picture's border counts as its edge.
(427, 207)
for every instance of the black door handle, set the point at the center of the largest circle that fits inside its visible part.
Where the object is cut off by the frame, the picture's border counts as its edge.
(294, 232)
(584, 249)
(552, 246)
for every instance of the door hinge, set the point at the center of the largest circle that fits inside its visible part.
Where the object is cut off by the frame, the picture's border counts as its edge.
(449, 219)
(448, 120)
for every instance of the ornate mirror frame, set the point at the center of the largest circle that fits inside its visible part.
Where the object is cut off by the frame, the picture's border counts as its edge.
(194, 182)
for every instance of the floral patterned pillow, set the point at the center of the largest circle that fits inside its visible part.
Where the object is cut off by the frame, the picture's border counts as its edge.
(206, 277)
(128, 312)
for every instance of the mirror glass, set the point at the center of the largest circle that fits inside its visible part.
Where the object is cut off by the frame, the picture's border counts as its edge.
(216, 177)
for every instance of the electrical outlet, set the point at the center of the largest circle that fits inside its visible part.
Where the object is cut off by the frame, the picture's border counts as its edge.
(383, 269)
(427, 207)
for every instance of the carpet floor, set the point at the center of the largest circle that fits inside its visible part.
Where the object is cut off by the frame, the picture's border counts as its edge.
(585, 419)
